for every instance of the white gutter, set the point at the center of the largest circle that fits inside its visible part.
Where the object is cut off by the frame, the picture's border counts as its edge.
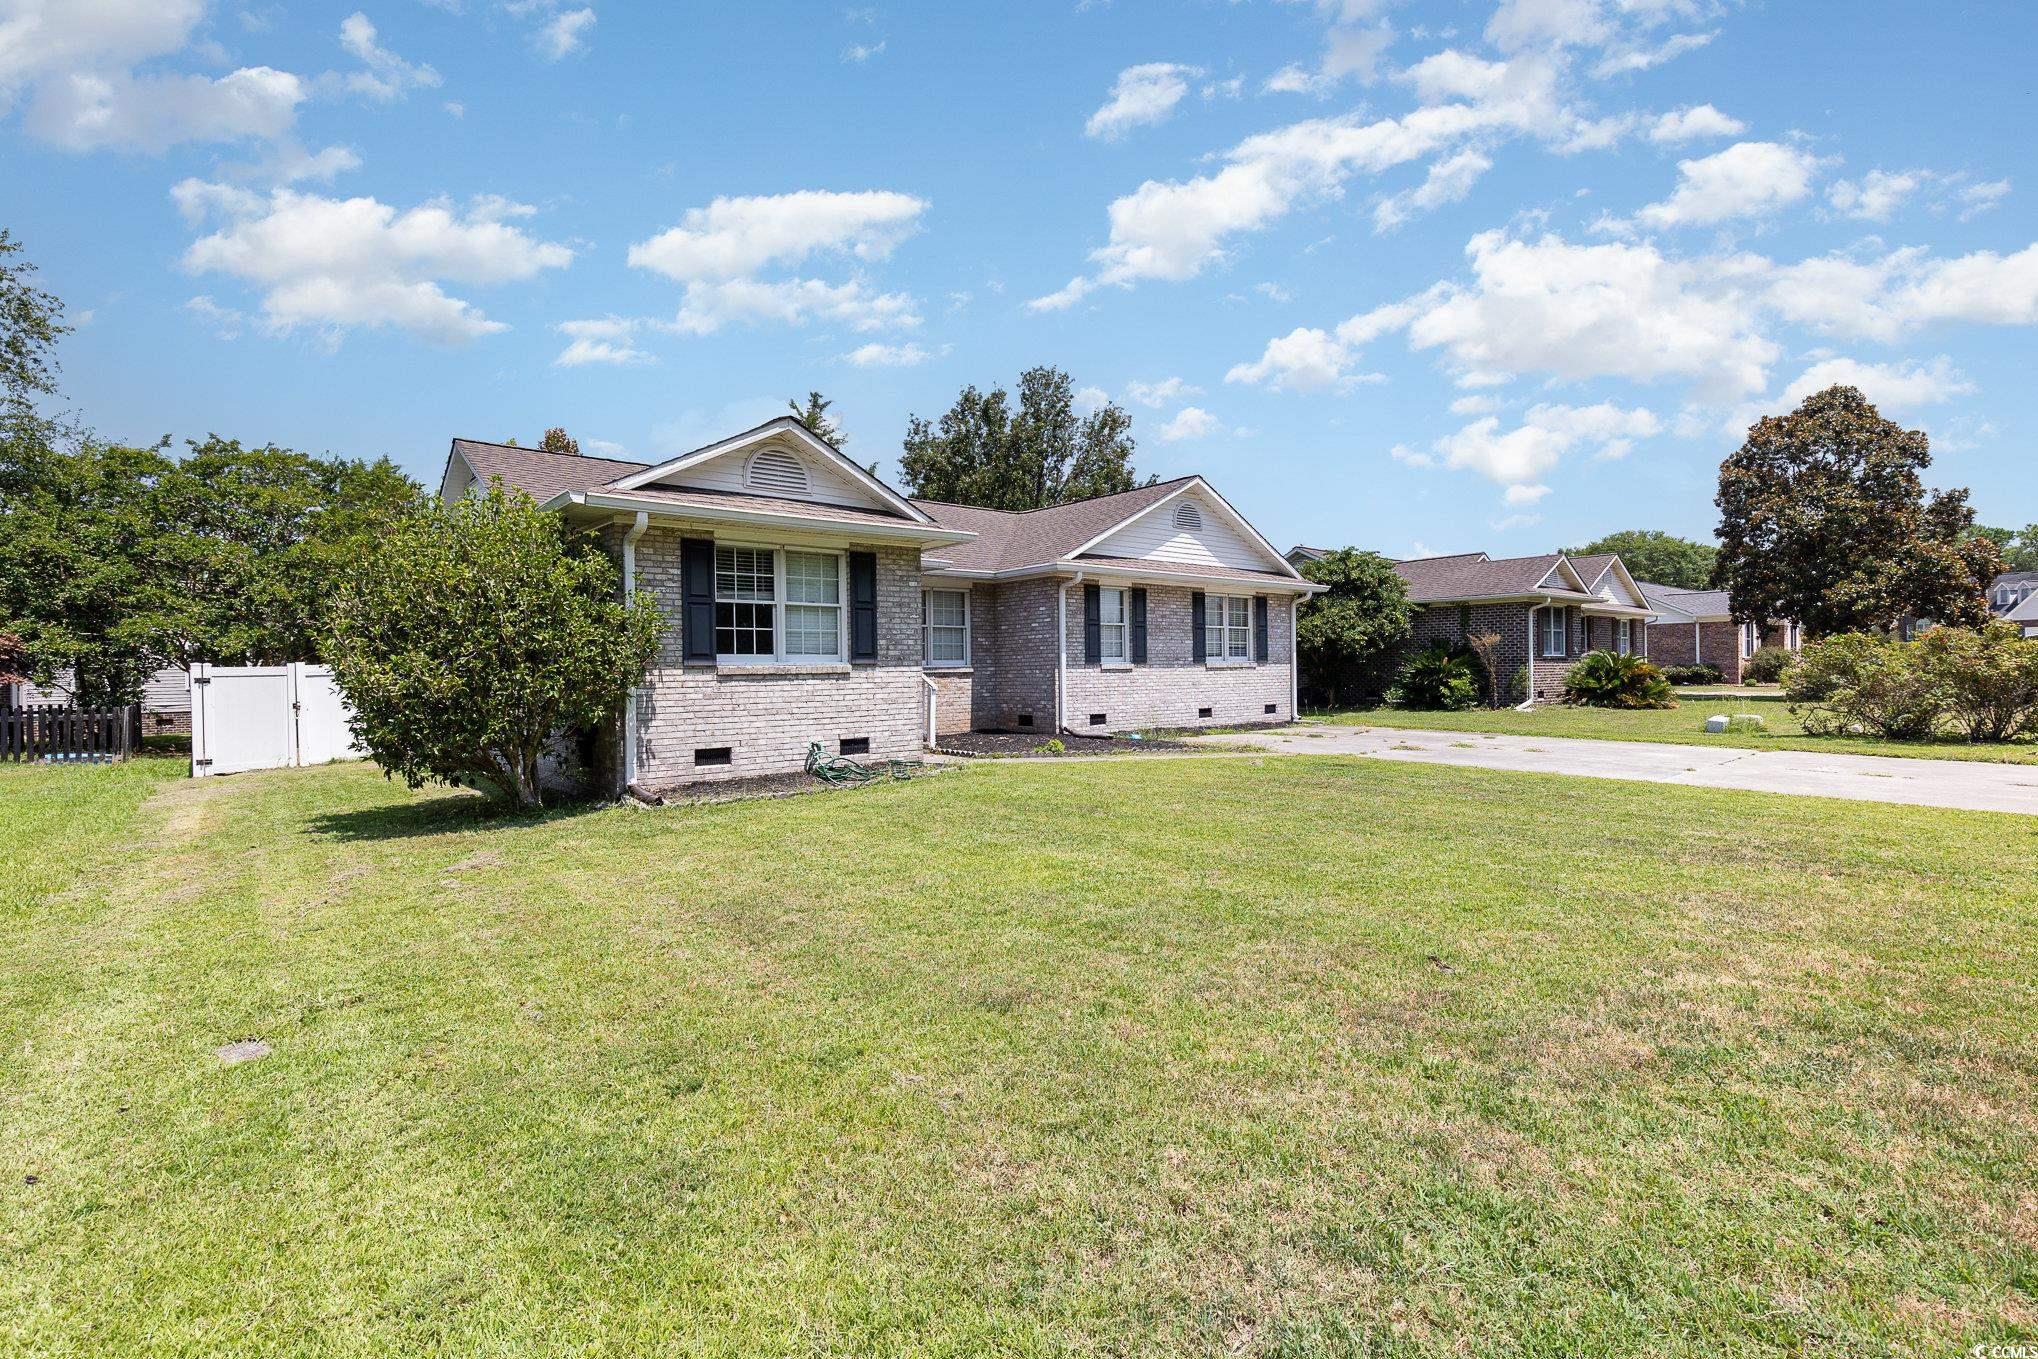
(849, 528)
(1294, 664)
(1262, 584)
(1061, 650)
(933, 697)
(630, 537)
(1528, 698)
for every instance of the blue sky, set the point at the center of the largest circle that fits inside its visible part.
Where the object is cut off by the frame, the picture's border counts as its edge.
(1419, 277)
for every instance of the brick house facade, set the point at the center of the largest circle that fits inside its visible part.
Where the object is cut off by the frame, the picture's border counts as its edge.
(805, 601)
(1693, 627)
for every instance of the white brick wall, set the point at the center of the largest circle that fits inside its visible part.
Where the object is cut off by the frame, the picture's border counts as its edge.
(767, 715)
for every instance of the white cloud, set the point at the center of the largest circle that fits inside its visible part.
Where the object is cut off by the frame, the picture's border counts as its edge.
(1882, 298)
(1348, 51)
(1516, 458)
(858, 53)
(1625, 60)
(388, 75)
(1748, 179)
(1141, 96)
(1875, 196)
(1307, 359)
(333, 264)
(733, 237)
(711, 304)
(1089, 399)
(1154, 395)
(1474, 405)
(564, 34)
(41, 39)
(87, 111)
(1979, 198)
(1448, 181)
(225, 322)
(1190, 422)
(876, 355)
(606, 340)
(1693, 124)
(1899, 386)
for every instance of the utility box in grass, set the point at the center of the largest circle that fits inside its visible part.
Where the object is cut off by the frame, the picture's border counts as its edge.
(1720, 723)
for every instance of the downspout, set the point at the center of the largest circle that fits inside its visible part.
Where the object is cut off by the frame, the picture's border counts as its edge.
(1061, 650)
(1294, 661)
(630, 537)
(933, 697)
(1528, 698)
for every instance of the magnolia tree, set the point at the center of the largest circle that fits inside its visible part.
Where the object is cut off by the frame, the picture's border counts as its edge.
(477, 632)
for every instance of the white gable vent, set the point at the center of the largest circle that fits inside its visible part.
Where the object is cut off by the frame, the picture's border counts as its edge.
(1188, 518)
(777, 471)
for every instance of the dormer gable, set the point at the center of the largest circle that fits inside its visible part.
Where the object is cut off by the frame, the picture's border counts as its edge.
(781, 459)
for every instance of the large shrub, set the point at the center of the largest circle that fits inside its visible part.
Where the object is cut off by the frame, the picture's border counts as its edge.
(476, 632)
(1867, 682)
(1766, 666)
(1608, 679)
(1348, 637)
(1705, 672)
(1990, 678)
(1436, 678)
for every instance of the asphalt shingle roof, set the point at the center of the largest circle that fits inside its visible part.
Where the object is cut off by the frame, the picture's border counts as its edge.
(1009, 539)
(1474, 575)
(1697, 603)
(539, 474)
(766, 504)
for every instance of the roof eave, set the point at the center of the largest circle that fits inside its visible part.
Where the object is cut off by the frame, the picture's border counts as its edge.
(905, 531)
(1065, 567)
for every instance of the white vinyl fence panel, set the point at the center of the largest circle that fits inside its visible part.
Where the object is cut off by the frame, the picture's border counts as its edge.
(266, 717)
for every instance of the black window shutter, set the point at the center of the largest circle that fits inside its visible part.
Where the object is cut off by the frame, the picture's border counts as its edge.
(1093, 626)
(1197, 650)
(863, 606)
(697, 598)
(1260, 628)
(1138, 628)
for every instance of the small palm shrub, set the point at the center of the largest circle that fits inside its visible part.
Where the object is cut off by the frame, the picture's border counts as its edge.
(1437, 679)
(1607, 679)
(1705, 672)
(1766, 666)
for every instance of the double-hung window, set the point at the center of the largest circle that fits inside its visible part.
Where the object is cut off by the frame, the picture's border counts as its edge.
(1227, 627)
(1555, 640)
(1751, 639)
(777, 604)
(1623, 636)
(944, 617)
(1111, 626)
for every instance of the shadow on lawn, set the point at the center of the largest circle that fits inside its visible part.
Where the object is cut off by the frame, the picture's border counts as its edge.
(448, 815)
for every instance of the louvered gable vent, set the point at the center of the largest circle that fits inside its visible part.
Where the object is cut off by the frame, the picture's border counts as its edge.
(1188, 518)
(778, 472)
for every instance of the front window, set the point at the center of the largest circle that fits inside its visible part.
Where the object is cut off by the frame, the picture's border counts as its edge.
(944, 615)
(1622, 636)
(1751, 639)
(1227, 627)
(777, 605)
(1554, 640)
(1111, 620)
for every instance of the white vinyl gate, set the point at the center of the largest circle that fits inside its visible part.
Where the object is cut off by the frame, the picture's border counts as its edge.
(266, 717)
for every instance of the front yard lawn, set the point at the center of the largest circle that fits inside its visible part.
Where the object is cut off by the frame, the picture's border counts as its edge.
(1289, 1056)
(1684, 725)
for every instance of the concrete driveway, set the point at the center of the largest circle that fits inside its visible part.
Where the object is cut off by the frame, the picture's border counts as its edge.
(1868, 778)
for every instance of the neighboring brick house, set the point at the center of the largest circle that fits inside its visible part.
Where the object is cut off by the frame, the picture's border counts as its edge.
(805, 600)
(1548, 610)
(1697, 627)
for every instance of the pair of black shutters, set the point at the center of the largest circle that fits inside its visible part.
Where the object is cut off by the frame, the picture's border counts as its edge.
(697, 593)
(1135, 625)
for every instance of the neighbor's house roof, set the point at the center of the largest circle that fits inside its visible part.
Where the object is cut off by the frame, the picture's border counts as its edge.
(535, 472)
(2013, 578)
(1687, 606)
(1057, 539)
(2026, 612)
(1308, 554)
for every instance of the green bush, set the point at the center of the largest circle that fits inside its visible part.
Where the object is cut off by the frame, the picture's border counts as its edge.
(1438, 679)
(1990, 678)
(1705, 672)
(1518, 687)
(1608, 679)
(1867, 682)
(1766, 666)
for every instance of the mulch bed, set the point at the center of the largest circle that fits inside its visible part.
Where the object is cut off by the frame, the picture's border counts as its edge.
(759, 786)
(1027, 744)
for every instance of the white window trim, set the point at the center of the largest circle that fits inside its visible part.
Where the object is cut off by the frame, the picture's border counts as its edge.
(927, 660)
(779, 603)
(1623, 636)
(1222, 655)
(1123, 660)
(1563, 615)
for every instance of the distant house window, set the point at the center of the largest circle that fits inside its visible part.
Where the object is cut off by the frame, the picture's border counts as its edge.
(1555, 642)
(1227, 627)
(1751, 638)
(1111, 624)
(777, 471)
(1188, 518)
(944, 616)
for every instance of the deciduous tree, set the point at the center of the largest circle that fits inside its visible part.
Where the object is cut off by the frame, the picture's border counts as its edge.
(1656, 556)
(30, 322)
(476, 632)
(1044, 453)
(1348, 638)
(1824, 518)
(557, 440)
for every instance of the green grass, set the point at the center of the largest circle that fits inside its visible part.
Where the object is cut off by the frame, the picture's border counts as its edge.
(1293, 1056)
(1685, 725)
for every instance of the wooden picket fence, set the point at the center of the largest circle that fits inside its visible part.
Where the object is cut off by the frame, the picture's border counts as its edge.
(55, 735)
